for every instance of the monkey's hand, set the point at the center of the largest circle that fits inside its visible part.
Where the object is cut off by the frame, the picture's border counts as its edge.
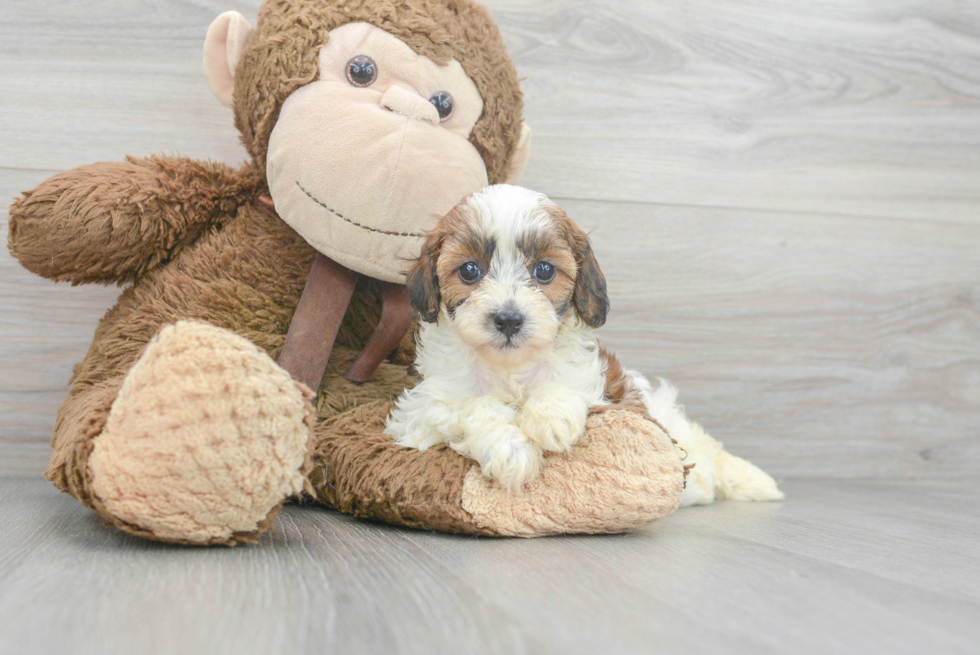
(114, 221)
(553, 417)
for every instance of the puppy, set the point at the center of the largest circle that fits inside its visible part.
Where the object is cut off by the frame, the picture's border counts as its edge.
(510, 294)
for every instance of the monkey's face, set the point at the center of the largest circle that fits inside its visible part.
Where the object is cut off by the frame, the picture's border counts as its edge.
(363, 160)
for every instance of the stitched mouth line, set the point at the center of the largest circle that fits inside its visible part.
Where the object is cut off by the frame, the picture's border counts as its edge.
(355, 223)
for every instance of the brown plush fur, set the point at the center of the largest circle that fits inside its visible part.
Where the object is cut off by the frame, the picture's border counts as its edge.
(195, 242)
(114, 221)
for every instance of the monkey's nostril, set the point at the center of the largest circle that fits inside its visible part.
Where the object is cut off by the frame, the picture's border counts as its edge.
(508, 323)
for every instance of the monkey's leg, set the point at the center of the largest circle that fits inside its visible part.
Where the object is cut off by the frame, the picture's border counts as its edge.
(317, 319)
(321, 308)
(623, 474)
(201, 442)
(396, 318)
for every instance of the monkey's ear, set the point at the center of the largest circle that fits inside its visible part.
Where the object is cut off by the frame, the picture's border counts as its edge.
(223, 48)
(423, 282)
(521, 154)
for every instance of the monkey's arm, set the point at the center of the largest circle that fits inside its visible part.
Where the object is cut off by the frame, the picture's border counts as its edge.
(114, 221)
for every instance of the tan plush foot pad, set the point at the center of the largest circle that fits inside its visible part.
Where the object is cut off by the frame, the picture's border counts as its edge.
(624, 474)
(205, 441)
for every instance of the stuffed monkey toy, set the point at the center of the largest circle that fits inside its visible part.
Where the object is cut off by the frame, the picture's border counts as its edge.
(261, 338)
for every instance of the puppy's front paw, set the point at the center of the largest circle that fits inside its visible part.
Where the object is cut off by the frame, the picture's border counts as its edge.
(553, 421)
(508, 457)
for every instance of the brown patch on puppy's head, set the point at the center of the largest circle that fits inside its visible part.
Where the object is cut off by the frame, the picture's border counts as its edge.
(282, 55)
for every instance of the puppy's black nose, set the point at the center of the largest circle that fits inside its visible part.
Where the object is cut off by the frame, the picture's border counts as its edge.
(508, 322)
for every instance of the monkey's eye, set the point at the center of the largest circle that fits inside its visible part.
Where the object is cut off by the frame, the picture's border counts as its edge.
(544, 272)
(362, 71)
(443, 102)
(469, 272)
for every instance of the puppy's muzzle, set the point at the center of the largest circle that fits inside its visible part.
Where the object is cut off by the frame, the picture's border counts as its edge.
(508, 322)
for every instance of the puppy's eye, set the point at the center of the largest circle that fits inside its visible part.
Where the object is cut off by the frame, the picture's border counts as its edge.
(544, 272)
(443, 102)
(469, 272)
(362, 71)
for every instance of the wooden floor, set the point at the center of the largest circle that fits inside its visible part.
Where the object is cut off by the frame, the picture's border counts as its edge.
(785, 198)
(843, 567)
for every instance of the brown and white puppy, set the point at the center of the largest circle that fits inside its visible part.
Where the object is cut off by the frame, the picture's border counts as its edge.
(510, 294)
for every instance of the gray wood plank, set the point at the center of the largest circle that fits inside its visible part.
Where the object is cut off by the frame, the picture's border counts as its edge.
(855, 567)
(818, 346)
(90, 81)
(869, 109)
(26, 429)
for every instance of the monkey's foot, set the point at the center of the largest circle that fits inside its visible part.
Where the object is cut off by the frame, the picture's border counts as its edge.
(623, 474)
(205, 441)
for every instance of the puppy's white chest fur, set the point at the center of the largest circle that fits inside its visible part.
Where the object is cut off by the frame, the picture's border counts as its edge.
(503, 418)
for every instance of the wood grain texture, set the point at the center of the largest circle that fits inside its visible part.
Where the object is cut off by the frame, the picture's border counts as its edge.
(843, 567)
(869, 108)
(801, 260)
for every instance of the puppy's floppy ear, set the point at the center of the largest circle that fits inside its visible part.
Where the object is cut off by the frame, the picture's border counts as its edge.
(423, 281)
(589, 298)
